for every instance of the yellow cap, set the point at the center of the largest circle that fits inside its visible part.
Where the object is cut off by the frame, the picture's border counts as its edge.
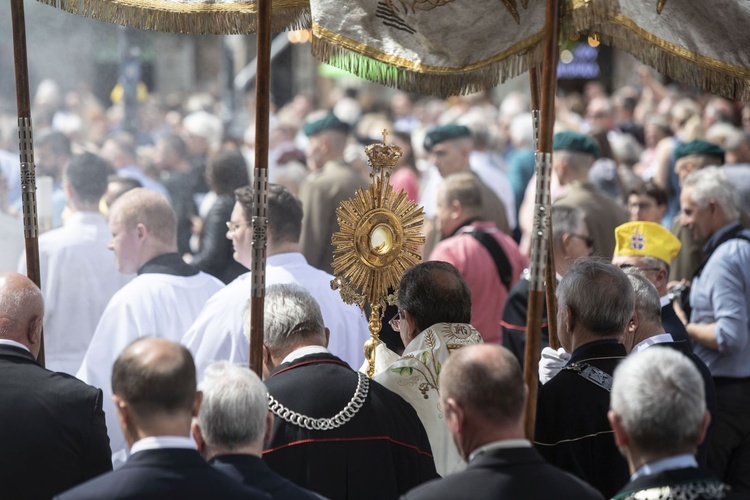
(646, 239)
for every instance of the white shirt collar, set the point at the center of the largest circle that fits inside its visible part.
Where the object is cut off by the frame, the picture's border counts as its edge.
(303, 351)
(496, 445)
(162, 442)
(669, 463)
(656, 339)
(14, 344)
(286, 258)
(665, 300)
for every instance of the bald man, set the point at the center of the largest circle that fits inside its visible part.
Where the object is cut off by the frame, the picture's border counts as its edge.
(162, 301)
(155, 394)
(483, 397)
(52, 432)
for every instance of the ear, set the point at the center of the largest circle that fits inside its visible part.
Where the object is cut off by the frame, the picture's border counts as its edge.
(454, 416)
(328, 336)
(456, 210)
(411, 325)
(635, 322)
(34, 330)
(713, 207)
(195, 431)
(621, 438)
(268, 364)
(269, 429)
(704, 427)
(197, 403)
(123, 412)
(141, 231)
(564, 242)
(569, 320)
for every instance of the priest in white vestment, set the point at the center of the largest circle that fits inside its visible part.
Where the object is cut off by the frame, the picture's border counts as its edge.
(78, 271)
(434, 306)
(162, 301)
(218, 335)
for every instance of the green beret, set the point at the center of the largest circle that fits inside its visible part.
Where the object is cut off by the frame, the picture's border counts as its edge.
(575, 142)
(698, 147)
(328, 122)
(445, 133)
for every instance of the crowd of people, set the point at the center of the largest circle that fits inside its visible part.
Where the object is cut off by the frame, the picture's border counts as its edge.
(145, 283)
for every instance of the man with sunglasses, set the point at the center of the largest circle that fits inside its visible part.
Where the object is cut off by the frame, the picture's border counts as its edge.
(434, 307)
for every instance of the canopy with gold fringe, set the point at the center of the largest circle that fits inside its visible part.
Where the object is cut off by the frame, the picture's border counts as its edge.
(431, 47)
(697, 42)
(196, 17)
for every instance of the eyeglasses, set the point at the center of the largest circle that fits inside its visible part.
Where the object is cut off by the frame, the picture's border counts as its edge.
(395, 322)
(643, 205)
(645, 269)
(234, 226)
(586, 239)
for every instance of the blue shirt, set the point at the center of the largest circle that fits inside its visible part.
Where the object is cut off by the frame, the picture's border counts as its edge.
(721, 295)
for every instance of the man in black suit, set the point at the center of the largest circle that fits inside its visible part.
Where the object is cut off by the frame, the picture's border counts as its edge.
(483, 397)
(595, 305)
(153, 382)
(336, 432)
(52, 431)
(233, 424)
(646, 330)
(658, 414)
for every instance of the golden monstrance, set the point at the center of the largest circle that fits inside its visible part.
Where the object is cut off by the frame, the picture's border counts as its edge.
(380, 232)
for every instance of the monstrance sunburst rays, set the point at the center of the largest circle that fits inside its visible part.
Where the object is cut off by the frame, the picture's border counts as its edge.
(379, 237)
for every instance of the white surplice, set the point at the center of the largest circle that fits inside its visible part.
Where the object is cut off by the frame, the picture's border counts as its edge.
(415, 377)
(217, 334)
(79, 276)
(152, 305)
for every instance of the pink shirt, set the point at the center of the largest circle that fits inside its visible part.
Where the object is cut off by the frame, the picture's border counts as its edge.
(475, 264)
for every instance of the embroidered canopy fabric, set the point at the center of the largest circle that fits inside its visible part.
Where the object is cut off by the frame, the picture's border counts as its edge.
(697, 42)
(447, 47)
(196, 17)
(433, 47)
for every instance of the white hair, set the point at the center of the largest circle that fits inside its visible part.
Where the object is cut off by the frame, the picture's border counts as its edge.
(709, 184)
(659, 398)
(290, 314)
(646, 297)
(234, 408)
(522, 130)
(206, 125)
(599, 295)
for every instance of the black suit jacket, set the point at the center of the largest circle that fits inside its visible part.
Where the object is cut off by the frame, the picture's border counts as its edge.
(672, 324)
(168, 473)
(52, 430)
(572, 430)
(253, 471)
(507, 473)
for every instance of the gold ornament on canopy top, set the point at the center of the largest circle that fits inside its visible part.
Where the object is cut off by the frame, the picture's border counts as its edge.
(380, 232)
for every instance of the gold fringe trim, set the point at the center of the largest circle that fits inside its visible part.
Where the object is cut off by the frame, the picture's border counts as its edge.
(197, 19)
(376, 66)
(585, 15)
(603, 17)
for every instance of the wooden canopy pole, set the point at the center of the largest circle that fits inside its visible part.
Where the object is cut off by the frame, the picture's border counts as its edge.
(540, 233)
(260, 185)
(26, 151)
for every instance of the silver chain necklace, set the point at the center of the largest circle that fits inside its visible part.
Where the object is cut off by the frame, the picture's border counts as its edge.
(324, 424)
